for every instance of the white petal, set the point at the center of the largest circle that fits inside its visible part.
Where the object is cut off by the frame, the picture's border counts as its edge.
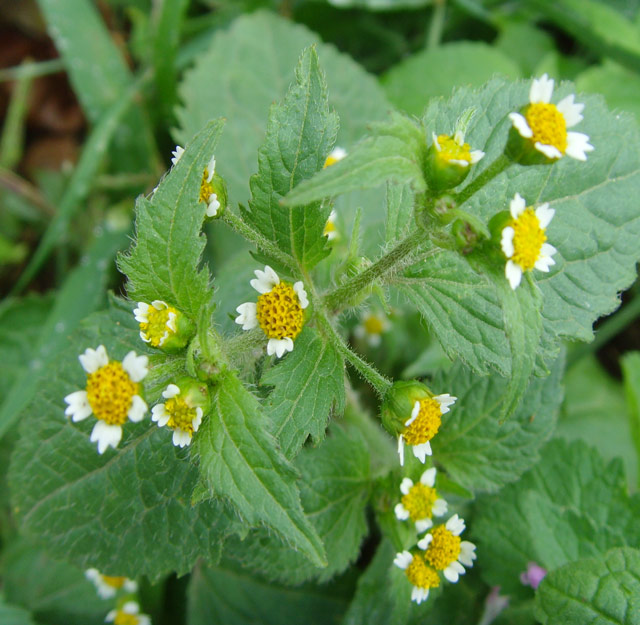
(506, 241)
(374, 340)
(138, 409)
(422, 451)
(197, 419)
(403, 560)
(338, 153)
(159, 304)
(144, 337)
(160, 415)
(548, 150)
(467, 553)
(428, 478)
(455, 525)
(171, 391)
(78, 408)
(93, 359)
(541, 89)
(453, 572)
(279, 346)
(298, 287)
(520, 124)
(171, 322)
(513, 273)
(445, 401)
(181, 438)
(144, 619)
(212, 206)
(131, 607)
(476, 155)
(401, 512)
(406, 485)
(460, 163)
(264, 280)
(434, 136)
(141, 313)
(106, 435)
(578, 145)
(414, 414)
(401, 449)
(211, 168)
(424, 542)
(419, 594)
(517, 206)
(177, 155)
(458, 137)
(136, 366)
(248, 315)
(423, 525)
(111, 616)
(544, 214)
(544, 263)
(571, 111)
(439, 507)
(130, 585)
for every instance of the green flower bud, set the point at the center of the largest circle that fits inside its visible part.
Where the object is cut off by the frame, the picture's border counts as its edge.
(163, 326)
(399, 403)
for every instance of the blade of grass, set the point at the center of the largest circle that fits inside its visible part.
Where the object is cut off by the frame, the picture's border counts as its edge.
(31, 70)
(11, 142)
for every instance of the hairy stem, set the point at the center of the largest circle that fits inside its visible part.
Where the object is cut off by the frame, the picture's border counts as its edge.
(497, 167)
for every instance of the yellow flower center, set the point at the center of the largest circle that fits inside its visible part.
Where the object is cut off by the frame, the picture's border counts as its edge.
(114, 582)
(329, 227)
(331, 160)
(426, 424)
(443, 549)
(547, 124)
(182, 415)
(420, 574)
(206, 188)
(124, 618)
(279, 312)
(527, 239)
(156, 330)
(110, 391)
(450, 150)
(373, 325)
(419, 501)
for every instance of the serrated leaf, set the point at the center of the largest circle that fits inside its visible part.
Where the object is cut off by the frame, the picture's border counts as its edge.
(163, 262)
(308, 384)
(599, 591)
(570, 505)
(127, 512)
(394, 153)
(334, 490)
(228, 595)
(399, 212)
(473, 446)
(239, 460)
(300, 134)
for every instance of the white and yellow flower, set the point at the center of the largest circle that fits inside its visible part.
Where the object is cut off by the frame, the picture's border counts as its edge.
(337, 154)
(183, 410)
(545, 124)
(371, 327)
(420, 502)
(454, 150)
(208, 193)
(279, 310)
(423, 425)
(422, 576)
(157, 321)
(330, 230)
(108, 586)
(128, 614)
(444, 550)
(176, 155)
(523, 240)
(112, 394)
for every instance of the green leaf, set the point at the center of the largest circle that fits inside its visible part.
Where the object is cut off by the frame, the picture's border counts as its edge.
(308, 384)
(13, 615)
(631, 371)
(528, 56)
(399, 212)
(600, 591)
(229, 595)
(473, 446)
(411, 83)
(300, 134)
(395, 152)
(127, 512)
(570, 505)
(164, 259)
(239, 460)
(334, 491)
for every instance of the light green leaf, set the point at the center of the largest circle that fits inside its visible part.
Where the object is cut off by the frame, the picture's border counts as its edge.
(570, 505)
(229, 595)
(399, 212)
(163, 262)
(436, 71)
(510, 43)
(127, 512)
(380, 5)
(13, 615)
(599, 591)
(300, 134)
(473, 446)
(334, 491)
(239, 460)
(309, 383)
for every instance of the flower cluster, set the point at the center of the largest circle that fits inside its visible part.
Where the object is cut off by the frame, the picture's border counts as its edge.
(127, 611)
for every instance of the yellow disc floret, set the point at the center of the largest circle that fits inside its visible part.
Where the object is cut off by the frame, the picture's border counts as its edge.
(156, 329)
(181, 414)
(373, 325)
(451, 150)
(527, 239)
(206, 188)
(547, 124)
(419, 501)
(124, 618)
(426, 424)
(420, 574)
(110, 392)
(279, 312)
(114, 582)
(443, 549)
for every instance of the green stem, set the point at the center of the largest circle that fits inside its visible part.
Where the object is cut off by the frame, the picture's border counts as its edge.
(31, 70)
(367, 371)
(384, 265)
(496, 168)
(241, 227)
(434, 35)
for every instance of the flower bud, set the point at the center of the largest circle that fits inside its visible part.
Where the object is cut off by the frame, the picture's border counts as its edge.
(399, 402)
(163, 326)
(449, 160)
